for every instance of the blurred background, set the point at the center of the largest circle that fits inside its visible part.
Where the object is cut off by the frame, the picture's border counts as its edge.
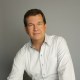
(63, 19)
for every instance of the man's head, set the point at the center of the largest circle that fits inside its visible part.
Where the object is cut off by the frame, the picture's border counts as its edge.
(35, 24)
(33, 12)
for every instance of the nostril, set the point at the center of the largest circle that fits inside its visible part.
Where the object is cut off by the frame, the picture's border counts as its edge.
(35, 29)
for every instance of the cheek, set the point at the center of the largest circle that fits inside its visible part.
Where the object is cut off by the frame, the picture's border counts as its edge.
(28, 31)
(44, 29)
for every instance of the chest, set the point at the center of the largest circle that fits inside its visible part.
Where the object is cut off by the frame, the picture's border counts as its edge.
(43, 62)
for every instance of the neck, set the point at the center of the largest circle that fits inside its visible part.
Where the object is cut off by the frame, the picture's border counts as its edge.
(37, 44)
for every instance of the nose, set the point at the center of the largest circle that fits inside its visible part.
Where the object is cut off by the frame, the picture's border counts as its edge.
(35, 27)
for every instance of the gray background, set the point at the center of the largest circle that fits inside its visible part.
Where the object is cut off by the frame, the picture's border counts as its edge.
(63, 18)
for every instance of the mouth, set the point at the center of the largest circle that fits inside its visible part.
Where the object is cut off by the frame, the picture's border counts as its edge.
(36, 33)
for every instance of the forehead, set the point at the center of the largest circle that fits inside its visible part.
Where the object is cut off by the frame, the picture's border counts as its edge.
(35, 18)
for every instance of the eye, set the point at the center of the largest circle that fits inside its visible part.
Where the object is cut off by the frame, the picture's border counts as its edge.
(30, 25)
(40, 23)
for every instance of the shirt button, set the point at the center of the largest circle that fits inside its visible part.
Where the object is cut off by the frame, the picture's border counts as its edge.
(42, 64)
(41, 54)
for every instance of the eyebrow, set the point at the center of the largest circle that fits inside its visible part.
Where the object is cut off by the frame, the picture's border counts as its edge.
(30, 23)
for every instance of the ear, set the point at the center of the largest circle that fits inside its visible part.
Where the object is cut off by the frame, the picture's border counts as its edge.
(45, 26)
(26, 29)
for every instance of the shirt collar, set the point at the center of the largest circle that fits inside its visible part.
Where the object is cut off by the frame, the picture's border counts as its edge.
(48, 39)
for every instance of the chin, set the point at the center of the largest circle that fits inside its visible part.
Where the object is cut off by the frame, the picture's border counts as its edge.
(37, 38)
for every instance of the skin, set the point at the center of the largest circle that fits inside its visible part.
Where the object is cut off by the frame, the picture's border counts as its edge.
(36, 30)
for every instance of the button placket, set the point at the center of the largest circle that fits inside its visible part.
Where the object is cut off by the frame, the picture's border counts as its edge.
(42, 60)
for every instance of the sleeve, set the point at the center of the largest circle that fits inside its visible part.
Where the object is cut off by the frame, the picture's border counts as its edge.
(65, 65)
(18, 66)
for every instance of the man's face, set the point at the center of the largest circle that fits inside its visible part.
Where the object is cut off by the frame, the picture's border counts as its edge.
(36, 27)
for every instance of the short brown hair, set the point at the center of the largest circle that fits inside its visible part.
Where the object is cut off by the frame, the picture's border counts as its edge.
(33, 12)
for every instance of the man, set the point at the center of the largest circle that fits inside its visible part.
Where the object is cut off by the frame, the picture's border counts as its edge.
(44, 57)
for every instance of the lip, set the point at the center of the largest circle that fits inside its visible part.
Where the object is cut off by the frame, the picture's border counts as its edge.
(36, 33)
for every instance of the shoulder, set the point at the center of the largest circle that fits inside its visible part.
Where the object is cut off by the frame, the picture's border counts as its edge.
(22, 51)
(58, 41)
(56, 38)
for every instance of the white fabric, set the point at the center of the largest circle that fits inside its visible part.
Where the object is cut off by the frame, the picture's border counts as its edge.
(53, 62)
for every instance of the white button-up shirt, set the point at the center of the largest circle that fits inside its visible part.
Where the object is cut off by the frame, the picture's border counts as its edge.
(53, 62)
